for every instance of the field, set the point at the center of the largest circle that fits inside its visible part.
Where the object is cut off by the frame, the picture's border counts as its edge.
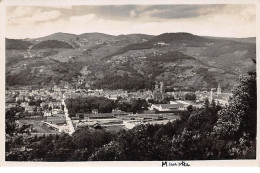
(37, 125)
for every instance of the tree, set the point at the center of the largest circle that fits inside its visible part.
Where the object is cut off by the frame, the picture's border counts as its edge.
(240, 115)
(237, 122)
(206, 103)
(25, 129)
(213, 104)
(151, 101)
(190, 96)
(190, 108)
(109, 152)
(105, 107)
(19, 102)
(10, 125)
(168, 98)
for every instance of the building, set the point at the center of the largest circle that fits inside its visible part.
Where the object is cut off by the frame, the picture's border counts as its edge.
(47, 113)
(159, 91)
(162, 88)
(37, 97)
(157, 95)
(87, 124)
(24, 104)
(19, 98)
(121, 113)
(219, 89)
(99, 116)
(219, 97)
(211, 95)
(71, 95)
(112, 96)
(94, 111)
(221, 102)
(168, 107)
(43, 98)
(173, 106)
(10, 105)
(27, 98)
(43, 104)
(30, 109)
(55, 105)
(57, 111)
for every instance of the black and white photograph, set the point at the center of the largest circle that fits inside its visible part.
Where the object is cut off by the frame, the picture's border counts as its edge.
(165, 82)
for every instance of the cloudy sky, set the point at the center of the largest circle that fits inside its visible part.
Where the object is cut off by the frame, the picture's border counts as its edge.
(211, 20)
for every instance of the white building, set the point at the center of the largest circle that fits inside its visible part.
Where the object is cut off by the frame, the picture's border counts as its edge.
(47, 113)
(174, 105)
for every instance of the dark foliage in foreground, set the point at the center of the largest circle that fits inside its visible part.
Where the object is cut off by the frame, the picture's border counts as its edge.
(207, 134)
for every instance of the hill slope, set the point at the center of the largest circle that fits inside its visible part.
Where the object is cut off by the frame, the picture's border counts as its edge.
(52, 44)
(57, 36)
(178, 59)
(14, 44)
(242, 40)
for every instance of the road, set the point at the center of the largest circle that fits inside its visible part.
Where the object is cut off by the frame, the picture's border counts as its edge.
(68, 120)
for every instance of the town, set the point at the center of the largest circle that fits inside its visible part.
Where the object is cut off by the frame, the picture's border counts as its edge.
(164, 82)
(47, 110)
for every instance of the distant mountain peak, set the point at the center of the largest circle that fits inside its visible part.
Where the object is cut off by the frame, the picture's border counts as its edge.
(179, 36)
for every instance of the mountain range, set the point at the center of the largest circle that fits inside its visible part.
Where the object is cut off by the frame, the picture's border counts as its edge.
(132, 62)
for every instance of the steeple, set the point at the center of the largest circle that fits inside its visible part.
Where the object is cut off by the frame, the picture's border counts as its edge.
(219, 89)
(211, 96)
(162, 88)
(156, 86)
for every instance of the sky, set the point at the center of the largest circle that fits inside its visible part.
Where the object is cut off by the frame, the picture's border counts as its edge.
(229, 20)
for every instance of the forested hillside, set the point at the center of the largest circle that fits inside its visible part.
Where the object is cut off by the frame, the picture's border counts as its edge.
(52, 44)
(14, 44)
(177, 59)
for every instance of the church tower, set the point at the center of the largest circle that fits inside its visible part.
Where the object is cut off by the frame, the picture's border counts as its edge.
(156, 87)
(211, 96)
(162, 88)
(219, 89)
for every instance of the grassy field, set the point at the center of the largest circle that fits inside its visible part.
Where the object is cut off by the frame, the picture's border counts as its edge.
(38, 126)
